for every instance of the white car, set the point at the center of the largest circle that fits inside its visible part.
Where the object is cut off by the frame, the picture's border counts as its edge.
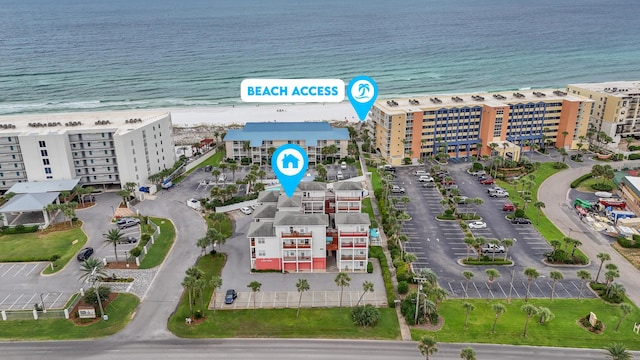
(478, 225)
(343, 165)
(425, 178)
(246, 210)
(491, 248)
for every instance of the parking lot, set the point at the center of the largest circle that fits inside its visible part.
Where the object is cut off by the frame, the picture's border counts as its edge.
(23, 280)
(439, 245)
(105, 250)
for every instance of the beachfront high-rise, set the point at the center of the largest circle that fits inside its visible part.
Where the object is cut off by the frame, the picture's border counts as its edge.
(616, 109)
(106, 148)
(467, 124)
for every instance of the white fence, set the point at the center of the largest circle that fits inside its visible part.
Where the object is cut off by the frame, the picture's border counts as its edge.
(35, 314)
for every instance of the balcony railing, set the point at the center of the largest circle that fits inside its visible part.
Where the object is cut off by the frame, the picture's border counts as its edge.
(296, 234)
(356, 257)
(348, 198)
(343, 208)
(353, 233)
(352, 244)
(294, 259)
(295, 245)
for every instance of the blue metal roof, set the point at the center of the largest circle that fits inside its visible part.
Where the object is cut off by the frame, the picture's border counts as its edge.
(309, 132)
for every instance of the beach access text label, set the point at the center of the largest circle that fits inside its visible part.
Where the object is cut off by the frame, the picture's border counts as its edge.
(292, 90)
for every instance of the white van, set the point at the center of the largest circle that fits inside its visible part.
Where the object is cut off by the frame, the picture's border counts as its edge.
(421, 173)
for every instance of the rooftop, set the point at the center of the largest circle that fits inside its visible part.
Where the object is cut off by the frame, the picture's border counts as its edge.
(347, 185)
(312, 186)
(310, 132)
(29, 202)
(620, 88)
(31, 187)
(288, 218)
(268, 196)
(417, 104)
(285, 201)
(60, 123)
(352, 219)
(261, 229)
(265, 211)
(634, 184)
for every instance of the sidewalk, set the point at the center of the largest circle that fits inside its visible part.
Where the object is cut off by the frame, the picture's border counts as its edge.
(554, 192)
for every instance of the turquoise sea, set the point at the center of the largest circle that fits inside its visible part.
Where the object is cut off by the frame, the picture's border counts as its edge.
(66, 55)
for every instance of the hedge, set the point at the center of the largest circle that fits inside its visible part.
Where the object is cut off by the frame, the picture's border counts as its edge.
(582, 178)
(376, 252)
(634, 156)
(18, 229)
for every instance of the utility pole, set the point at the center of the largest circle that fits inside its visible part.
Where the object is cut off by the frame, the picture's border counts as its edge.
(94, 280)
(420, 281)
(510, 286)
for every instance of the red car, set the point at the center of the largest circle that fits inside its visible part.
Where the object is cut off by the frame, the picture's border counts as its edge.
(487, 181)
(447, 182)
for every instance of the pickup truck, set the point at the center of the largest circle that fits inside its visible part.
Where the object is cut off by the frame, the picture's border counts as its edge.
(499, 193)
(397, 189)
(491, 248)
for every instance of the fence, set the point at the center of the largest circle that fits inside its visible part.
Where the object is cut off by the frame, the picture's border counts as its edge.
(145, 249)
(8, 315)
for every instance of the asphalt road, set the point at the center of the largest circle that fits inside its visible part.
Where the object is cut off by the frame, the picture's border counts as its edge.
(275, 349)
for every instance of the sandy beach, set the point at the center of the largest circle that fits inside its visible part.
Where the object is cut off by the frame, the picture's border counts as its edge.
(227, 115)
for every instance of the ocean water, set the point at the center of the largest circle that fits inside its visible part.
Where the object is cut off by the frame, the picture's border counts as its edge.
(66, 55)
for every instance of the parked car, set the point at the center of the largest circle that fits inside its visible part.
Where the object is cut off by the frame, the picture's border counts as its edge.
(387, 167)
(127, 223)
(461, 199)
(491, 248)
(230, 296)
(222, 178)
(343, 165)
(494, 188)
(425, 178)
(478, 173)
(397, 189)
(430, 184)
(487, 181)
(84, 254)
(128, 240)
(340, 175)
(508, 207)
(478, 225)
(447, 182)
(499, 193)
(246, 210)
(520, 221)
(421, 173)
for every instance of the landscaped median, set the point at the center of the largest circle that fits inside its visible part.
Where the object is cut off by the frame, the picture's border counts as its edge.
(56, 246)
(162, 244)
(119, 311)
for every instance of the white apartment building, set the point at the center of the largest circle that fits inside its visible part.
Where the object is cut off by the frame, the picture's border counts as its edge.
(102, 148)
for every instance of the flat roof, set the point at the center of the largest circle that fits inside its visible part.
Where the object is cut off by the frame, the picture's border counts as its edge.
(310, 132)
(29, 202)
(31, 187)
(620, 88)
(634, 184)
(43, 124)
(496, 99)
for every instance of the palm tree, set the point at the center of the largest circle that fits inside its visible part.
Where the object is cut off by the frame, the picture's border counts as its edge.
(468, 275)
(233, 167)
(555, 276)
(215, 283)
(616, 290)
(114, 236)
(468, 353)
(480, 241)
(626, 310)
(584, 276)
(545, 315)
(618, 351)
(496, 243)
(195, 272)
(470, 242)
(507, 243)
(302, 285)
(427, 346)
(367, 286)
(498, 309)
(410, 258)
(468, 307)
(531, 274)
(199, 285)
(215, 237)
(189, 284)
(202, 243)
(438, 294)
(610, 276)
(530, 310)
(342, 280)
(602, 257)
(255, 287)
(538, 205)
(91, 269)
(492, 274)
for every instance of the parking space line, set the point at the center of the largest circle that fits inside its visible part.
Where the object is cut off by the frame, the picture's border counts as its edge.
(29, 302)
(11, 267)
(478, 291)
(18, 299)
(56, 300)
(35, 266)
(5, 299)
(19, 270)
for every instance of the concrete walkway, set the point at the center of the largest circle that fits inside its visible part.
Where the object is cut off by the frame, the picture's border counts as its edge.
(554, 192)
(289, 299)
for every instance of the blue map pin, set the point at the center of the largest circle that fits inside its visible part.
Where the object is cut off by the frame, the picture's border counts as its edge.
(289, 162)
(362, 92)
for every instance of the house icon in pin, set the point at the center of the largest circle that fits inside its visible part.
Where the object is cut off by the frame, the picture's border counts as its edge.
(290, 160)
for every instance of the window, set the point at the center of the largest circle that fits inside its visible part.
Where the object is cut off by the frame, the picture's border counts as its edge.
(42, 143)
(261, 241)
(49, 177)
(102, 134)
(44, 153)
(11, 147)
(262, 253)
(47, 170)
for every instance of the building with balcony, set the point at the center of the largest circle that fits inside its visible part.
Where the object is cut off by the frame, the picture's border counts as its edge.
(258, 140)
(302, 233)
(106, 148)
(616, 108)
(464, 125)
(348, 197)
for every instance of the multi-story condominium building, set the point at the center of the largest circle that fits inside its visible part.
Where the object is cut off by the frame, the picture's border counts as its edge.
(465, 125)
(107, 148)
(616, 108)
(292, 234)
(258, 140)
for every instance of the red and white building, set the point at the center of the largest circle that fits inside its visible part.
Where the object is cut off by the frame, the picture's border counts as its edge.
(302, 233)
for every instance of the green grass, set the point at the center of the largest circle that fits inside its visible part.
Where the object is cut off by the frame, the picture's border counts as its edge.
(377, 252)
(562, 331)
(162, 245)
(375, 178)
(119, 312)
(213, 160)
(586, 184)
(366, 208)
(225, 226)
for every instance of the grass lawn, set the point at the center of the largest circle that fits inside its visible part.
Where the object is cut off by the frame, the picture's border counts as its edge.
(42, 246)
(119, 312)
(586, 184)
(375, 178)
(313, 323)
(163, 243)
(366, 208)
(213, 160)
(562, 331)
(225, 226)
(542, 224)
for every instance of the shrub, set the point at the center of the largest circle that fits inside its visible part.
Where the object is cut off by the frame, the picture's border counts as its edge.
(559, 165)
(367, 315)
(197, 314)
(135, 252)
(369, 267)
(19, 229)
(144, 239)
(376, 252)
(602, 187)
(634, 156)
(90, 295)
(54, 258)
(476, 166)
(519, 213)
(245, 161)
(634, 148)
(627, 243)
(617, 157)
(403, 287)
(582, 178)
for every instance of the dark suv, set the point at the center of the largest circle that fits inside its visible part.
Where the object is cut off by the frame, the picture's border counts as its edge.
(520, 221)
(85, 253)
(230, 296)
(127, 223)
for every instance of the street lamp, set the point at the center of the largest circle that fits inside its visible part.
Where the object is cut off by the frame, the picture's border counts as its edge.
(94, 279)
(44, 310)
